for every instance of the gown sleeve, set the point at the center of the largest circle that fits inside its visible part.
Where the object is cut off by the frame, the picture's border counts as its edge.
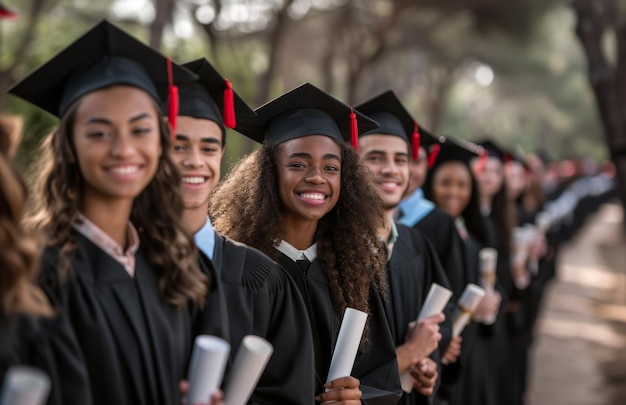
(263, 300)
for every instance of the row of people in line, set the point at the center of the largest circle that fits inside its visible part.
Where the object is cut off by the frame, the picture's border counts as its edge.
(144, 250)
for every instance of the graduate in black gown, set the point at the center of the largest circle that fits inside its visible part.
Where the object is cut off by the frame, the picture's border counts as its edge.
(436, 225)
(451, 185)
(304, 199)
(118, 265)
(29, 333)
(258, 295)
(499, 213)
(412, 264)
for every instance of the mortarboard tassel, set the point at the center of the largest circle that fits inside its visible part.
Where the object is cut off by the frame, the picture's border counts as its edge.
(354, 130)
(482, 161)
(5, 13)
(415, 143)
(172, 99)
(507, 158)
(230, 120)
(432, 156)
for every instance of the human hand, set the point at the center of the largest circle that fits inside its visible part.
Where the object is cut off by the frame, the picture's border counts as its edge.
(453, 352)
(217, 398)
(425, 375)
(342, 391)
(488, 308)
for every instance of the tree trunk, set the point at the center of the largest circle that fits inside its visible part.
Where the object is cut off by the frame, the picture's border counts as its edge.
(274, 46)
(595, 17)
(162, 17)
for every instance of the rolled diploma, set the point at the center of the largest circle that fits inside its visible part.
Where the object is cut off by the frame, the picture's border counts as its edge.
(471, 297)
(251, 359)
(435, 302)
(206, 369)
(25, 386)
(488, 262)
(348, 341)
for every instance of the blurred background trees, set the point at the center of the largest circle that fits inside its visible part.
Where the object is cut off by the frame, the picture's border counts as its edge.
(510, 70)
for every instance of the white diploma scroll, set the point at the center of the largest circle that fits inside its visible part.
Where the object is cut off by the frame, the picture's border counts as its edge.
(206, 369)
(348, 342)
(251, 359)
(471, 297)
(25, 386)
(488, 258)
(435, 302)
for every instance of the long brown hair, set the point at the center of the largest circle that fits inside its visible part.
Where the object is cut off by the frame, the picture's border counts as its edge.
(246, 207)
(19, 255)
(156, 213)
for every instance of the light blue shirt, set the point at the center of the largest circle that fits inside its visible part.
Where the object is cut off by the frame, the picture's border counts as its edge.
(205, 239)
(414, 208)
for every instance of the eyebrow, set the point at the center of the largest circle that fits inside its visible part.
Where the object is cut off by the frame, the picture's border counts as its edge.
(382, 152)
(182, 137)
(100, 120)
(308, 156)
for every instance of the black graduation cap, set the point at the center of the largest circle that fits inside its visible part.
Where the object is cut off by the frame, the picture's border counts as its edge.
(457, 150)
(306, 110)
(394, 119)
(492, 149)
(212, 97)
(102, 57)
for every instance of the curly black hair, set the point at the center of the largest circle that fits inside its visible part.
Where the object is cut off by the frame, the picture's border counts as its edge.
(246, 207)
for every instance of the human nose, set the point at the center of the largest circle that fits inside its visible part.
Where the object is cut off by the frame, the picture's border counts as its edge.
(122, 145)
(390, 167)
(193, 159)
(315, 176)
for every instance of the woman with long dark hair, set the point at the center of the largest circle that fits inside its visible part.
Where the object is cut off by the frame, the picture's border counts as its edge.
(305, 200)
(118, 264)
(452, 187)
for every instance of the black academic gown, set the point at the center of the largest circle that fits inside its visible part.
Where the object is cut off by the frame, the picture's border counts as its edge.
(263, 300)
(376, 367)
(478, 364)
(411, 270)
(135, 345)
(438, 227)
(46, 344)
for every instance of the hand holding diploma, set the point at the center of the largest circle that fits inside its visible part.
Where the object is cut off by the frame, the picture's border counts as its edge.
(467, 304)
(435, 302)
(339, 385)
(425, 375)
(206, 368)
(488, 258)
(25, 386)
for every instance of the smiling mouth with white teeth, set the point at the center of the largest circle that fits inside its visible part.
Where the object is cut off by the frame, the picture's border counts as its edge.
(124, 169)
(312, 196)
(193, 179)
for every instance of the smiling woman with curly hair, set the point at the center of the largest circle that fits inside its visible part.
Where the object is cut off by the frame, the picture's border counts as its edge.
(304, 200)
(118, 263)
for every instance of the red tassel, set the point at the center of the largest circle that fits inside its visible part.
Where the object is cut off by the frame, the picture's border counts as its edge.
(230, 120)
(415, 142)
(507, 158)
(354, 130)
(5, 13)
(432, 156)
(172, 99)
(482, 161)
